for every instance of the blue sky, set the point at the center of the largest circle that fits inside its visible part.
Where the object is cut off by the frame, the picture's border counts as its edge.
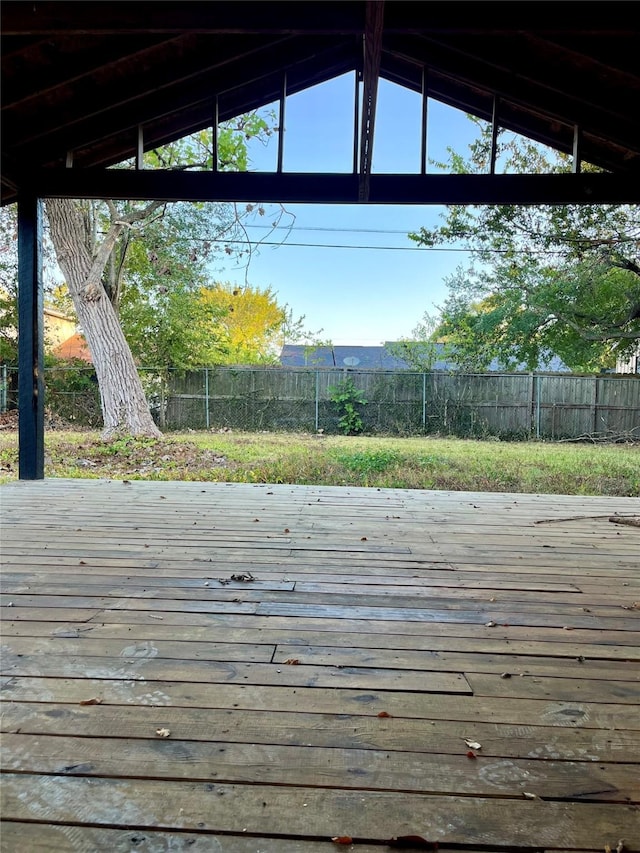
(360, 296)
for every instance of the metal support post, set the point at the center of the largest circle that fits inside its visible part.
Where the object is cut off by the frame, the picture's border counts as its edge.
(30, 340)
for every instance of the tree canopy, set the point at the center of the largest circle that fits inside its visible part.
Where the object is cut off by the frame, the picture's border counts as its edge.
(544, 280)
(116, 254)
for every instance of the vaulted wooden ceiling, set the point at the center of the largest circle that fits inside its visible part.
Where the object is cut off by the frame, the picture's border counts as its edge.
(80, 78)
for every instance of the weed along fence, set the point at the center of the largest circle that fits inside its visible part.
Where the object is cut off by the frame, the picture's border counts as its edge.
(505, 405)
(550, 406)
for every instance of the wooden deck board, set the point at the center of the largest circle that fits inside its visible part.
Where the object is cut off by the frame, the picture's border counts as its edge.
(331, 692)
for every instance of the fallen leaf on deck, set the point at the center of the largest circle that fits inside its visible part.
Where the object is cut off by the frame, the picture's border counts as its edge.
(506, 675)
(363, 538)
(384, 714)
(342, 839)
(471, 754)
(412, 841)
(472, 744)
(244, 577)
(163, 732)
(286, 530)
(529, 796)
(292, 661)
(95, 701)
(490, 624)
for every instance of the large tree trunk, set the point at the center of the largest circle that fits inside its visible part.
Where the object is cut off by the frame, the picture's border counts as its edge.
(124, 405)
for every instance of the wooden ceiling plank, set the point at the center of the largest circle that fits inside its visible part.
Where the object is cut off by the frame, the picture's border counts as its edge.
(61, 70)
(176, 69)
(157, 102)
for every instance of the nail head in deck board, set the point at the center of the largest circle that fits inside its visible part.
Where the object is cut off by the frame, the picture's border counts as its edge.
(313, 813)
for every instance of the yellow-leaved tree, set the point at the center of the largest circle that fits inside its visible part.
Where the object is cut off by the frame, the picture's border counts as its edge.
(251, 326)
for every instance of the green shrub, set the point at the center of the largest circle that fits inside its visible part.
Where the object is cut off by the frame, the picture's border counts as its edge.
(347, 399)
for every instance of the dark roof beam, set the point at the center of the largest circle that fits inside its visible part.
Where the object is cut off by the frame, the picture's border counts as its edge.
(331, 188)
(347, 16)
(108, 18)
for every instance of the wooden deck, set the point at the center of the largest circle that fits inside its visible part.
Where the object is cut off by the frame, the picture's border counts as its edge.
(329, 688)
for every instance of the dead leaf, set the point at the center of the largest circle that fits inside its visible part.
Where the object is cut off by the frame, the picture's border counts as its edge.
(95, 701)
(363, 538)
(472, 744)
(384, 714)
(416, 842)
(163, 732)
(342, 839)
(471, 754)
(244, 577)
(292, 661)
(529, 796)
(286, 530)
(490, 624)
(505, 675)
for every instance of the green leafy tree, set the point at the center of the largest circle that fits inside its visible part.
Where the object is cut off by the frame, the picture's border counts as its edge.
(561, 279)
(423, 349)
(8, 286)
(94, 244)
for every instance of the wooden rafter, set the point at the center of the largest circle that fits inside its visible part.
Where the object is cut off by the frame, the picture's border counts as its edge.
(370, 77)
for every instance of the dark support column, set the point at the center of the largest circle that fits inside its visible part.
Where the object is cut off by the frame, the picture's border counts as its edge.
(30, 340)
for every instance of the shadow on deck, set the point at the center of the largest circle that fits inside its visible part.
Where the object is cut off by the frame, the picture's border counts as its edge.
(244, 668)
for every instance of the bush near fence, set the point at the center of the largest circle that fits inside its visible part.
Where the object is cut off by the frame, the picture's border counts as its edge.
(503, 405)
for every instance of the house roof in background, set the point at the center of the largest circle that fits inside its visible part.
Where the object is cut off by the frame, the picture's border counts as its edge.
(74, 347)
(353, 357)
(380, 358)
(79, 79)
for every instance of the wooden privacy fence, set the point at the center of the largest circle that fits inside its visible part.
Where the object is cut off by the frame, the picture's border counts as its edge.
(508, 405)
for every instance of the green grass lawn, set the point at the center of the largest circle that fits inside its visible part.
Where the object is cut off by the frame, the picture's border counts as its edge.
(411, 463)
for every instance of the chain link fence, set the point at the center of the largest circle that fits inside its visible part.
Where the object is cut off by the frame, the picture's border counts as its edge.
(502, 405)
